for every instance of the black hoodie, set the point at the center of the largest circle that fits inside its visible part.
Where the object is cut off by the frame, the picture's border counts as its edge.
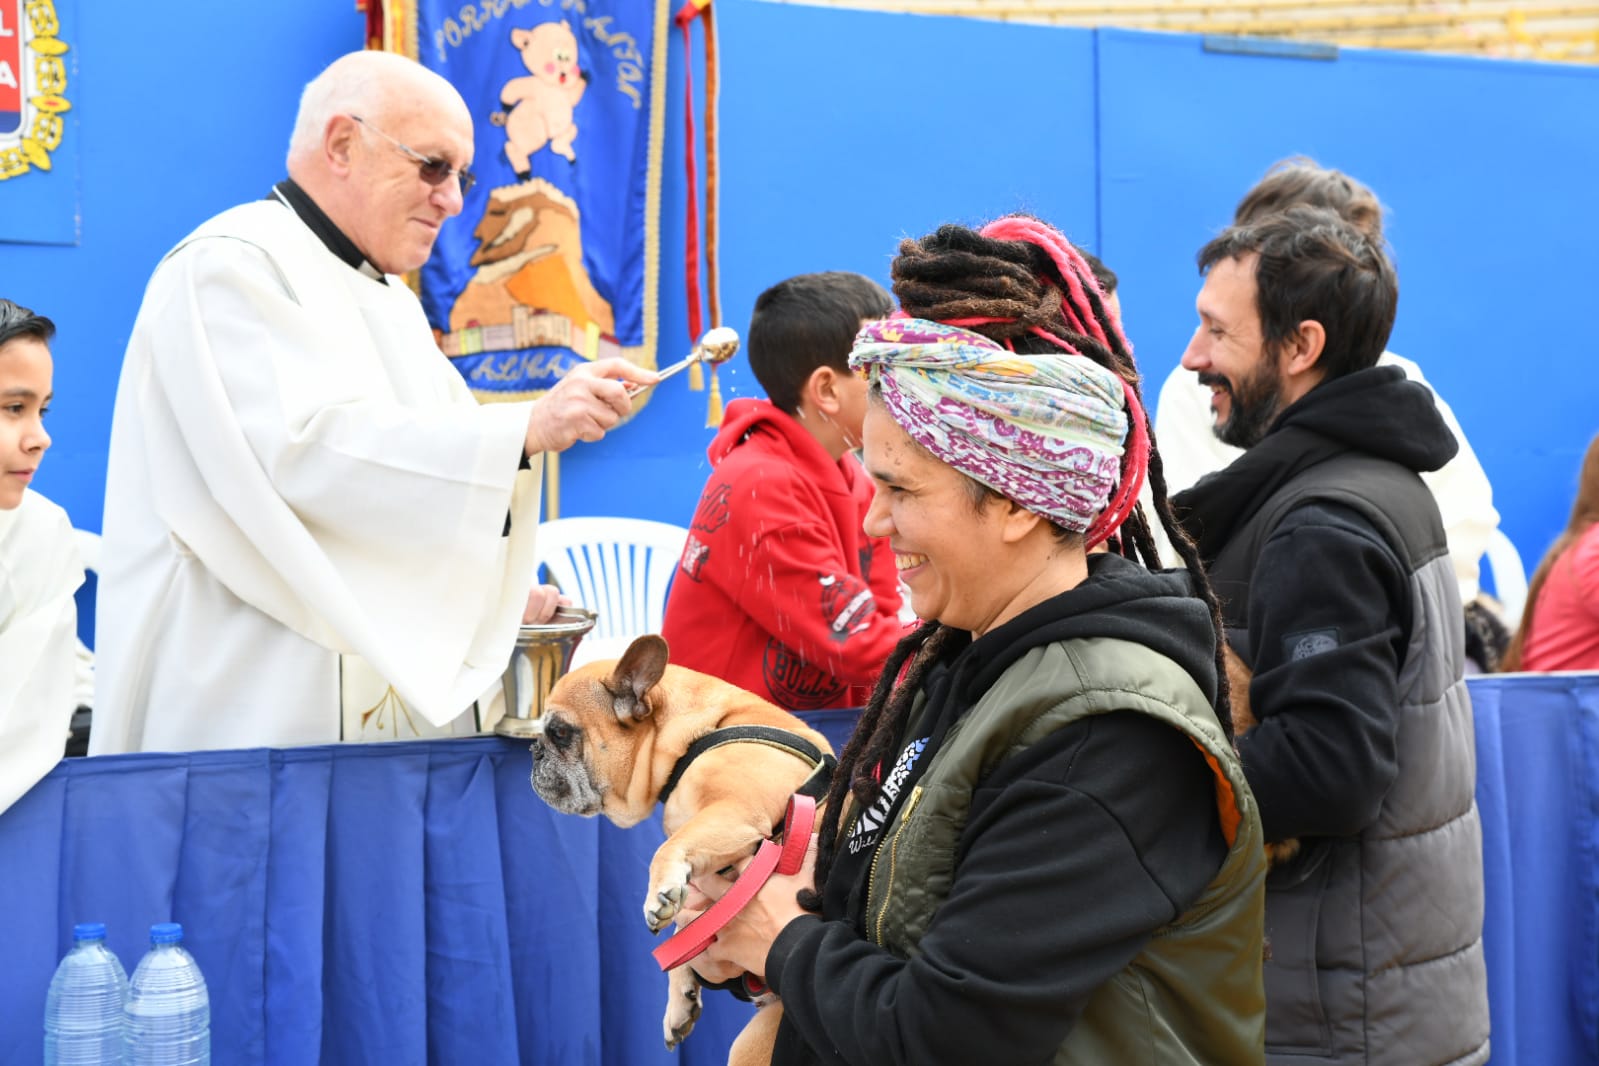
(1115, 814)
(1328, 616)
(1378, 411)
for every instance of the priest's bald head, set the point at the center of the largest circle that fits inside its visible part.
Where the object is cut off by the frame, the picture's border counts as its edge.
(382, 145)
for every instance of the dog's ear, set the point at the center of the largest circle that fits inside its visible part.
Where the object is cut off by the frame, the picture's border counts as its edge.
(520, 38)
(638, 671)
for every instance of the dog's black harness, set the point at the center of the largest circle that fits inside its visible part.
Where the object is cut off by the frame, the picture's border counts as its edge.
(815, 786)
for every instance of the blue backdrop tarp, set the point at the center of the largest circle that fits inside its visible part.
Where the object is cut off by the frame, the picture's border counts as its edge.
(1136, 144)
(416, 903)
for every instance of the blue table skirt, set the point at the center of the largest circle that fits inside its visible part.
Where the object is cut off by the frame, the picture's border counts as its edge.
(416, 903)
(1538, 795)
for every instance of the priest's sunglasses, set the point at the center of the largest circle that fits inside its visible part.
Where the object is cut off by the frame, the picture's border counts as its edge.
(434, 171)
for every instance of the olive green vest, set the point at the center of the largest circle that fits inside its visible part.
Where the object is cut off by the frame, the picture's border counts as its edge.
(1194, 994)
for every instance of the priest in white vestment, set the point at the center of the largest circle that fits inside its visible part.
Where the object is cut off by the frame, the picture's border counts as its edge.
(39, 568)
(313, 532)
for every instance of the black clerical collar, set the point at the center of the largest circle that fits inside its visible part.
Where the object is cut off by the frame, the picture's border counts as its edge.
(320, 224)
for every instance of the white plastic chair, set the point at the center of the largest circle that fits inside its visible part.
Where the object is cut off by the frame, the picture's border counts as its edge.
(1510, 577)
(618, 567)
(89, 552)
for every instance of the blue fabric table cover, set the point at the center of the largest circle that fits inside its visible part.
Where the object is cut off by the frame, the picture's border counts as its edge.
(416, 903)
(386, 904)
(1538, 794)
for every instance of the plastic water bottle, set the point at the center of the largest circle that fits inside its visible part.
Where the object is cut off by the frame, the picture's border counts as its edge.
(83, 1010)
(168, 1013)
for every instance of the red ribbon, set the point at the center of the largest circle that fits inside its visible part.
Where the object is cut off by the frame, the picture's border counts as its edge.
(691, 245)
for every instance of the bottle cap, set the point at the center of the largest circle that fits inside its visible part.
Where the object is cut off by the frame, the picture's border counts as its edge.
(166, 933)
(89, 931)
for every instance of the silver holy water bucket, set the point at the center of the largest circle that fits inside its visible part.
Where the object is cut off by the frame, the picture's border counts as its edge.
(542, 654)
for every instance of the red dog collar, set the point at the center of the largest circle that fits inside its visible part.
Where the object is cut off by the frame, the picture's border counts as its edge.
(784, 858)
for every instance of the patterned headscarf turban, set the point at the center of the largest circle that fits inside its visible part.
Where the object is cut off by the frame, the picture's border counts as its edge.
(1046, 431)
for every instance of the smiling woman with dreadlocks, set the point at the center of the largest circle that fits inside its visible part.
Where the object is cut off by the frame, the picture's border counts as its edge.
(1039, 846)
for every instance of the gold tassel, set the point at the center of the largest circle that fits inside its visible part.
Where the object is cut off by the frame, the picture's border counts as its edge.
(713, 413)
(552, 486)
(696, 377)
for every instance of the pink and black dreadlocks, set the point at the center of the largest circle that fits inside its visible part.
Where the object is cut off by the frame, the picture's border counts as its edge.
(1021, 283)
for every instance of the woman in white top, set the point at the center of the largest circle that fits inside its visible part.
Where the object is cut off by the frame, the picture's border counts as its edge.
(39, 567)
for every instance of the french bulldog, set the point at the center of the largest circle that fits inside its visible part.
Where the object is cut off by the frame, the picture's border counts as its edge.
(611, 735)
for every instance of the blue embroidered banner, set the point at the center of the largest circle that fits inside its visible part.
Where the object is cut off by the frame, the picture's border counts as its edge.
(555, 257)
(38, 146)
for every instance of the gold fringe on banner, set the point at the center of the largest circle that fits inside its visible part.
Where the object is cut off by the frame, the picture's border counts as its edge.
(713, 411)
(552, 486)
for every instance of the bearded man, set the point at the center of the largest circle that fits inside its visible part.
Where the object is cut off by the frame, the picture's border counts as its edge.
(1329, 557)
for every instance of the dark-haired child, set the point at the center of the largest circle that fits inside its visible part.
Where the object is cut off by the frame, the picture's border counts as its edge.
(779, 590)
(39, 567)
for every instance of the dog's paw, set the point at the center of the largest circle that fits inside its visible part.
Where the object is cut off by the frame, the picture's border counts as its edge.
(682, 1011)
(663, 907)
(666, 898)
(1282, 851)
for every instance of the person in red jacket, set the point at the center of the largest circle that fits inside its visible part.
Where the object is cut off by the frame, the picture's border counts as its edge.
(779, 590)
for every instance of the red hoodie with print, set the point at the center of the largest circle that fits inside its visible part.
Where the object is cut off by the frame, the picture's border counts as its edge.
(779, 590)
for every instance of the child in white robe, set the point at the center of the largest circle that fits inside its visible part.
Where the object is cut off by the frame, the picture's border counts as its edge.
(39, 568)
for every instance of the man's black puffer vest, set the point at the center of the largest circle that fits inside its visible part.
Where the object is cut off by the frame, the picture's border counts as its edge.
(1376, 946)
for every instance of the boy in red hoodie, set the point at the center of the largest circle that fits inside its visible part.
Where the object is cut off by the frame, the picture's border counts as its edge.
(779, 591)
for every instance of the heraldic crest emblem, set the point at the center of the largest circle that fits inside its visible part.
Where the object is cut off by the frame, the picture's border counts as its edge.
(33, 85)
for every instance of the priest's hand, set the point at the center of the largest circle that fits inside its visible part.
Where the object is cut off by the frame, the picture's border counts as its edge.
(589, 400)
(542, 603)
